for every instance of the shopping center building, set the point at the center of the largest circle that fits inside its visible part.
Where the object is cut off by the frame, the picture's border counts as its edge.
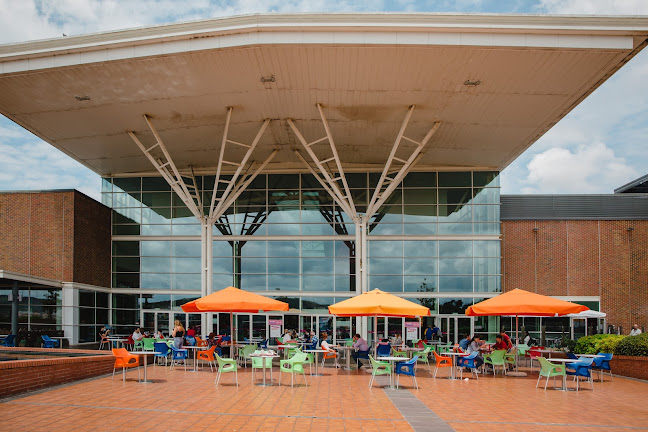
(308, 158)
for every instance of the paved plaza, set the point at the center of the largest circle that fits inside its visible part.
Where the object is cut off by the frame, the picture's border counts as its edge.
(337, 401)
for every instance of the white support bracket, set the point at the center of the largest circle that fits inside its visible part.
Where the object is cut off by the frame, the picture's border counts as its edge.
(233, 189)
(168, 170)
(341, 193)
(397, 165)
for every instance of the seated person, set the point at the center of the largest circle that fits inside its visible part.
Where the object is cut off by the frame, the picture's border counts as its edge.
(360, 346)
(398, 340)
(287, 337)
(463, 343)
(104, 332)
(506, 340)
(500, 344)
(313, 339)
(159, 335)
(329, 348)
(191, 332)
(475, 346)
(137, 335)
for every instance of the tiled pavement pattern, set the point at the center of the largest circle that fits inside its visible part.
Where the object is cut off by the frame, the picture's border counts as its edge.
(417, 414)
(338, 401)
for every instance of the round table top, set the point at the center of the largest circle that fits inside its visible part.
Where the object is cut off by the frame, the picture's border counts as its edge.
(589, 355)
(562, 360)
(264, 355)
(316, 350)
(144, 352)
(456, 353)
(193, 347)
(393, 358)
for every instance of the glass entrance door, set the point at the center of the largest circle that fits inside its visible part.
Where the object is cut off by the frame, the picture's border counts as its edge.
(156, 321)
(454, 328)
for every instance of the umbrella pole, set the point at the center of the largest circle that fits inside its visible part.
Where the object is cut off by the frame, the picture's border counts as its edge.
(375, 335)
(232, 350)
(517, 343)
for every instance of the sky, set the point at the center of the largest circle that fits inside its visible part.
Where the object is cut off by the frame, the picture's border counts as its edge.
(596, 148)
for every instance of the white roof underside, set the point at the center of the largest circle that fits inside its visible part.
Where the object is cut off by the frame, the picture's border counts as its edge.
(365, 69)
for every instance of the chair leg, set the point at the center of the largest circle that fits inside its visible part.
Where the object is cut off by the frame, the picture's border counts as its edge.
(304, 374)
(113, 374)
(436, 369)
(538, 382)
(546, 382)
(124, 374)
(236, 376)
(415, 383)
(218, 378)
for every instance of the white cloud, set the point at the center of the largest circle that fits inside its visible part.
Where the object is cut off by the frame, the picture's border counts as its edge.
(594, 7)
(587, 169)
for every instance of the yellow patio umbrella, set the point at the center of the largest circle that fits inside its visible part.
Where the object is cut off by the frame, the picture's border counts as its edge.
(378, 303)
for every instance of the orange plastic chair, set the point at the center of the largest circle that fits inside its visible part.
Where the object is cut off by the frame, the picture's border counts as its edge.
(441, 362)
(125, 360)
(200, 342)
(330, 355)
(208, 356)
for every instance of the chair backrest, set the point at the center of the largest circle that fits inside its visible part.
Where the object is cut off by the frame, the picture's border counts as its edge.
(545, 365)
(46, 338)
(572, 356)
(420, 344)
(120, 352)
(161, 347)
(584, 362)
(603, 362)
(497, 356)
(439, 358)
(10, 340)
(149, 343)
(191, 340)
(412, 360)
(348, 342)
(383, 349)
(472, 355)
(375, 363)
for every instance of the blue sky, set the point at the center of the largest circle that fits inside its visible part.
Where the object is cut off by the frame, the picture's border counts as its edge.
(596, 148)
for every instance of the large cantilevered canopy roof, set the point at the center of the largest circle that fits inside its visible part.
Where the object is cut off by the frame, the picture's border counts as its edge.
(494, 84)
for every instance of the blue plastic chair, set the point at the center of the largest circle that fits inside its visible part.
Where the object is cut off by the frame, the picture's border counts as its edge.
(603, 364)
(226, 339)
(49, 342)
(581, 368)
(264, 344)
(572, 356)
(314, 343)
(406, 368)
(9, 341)
(162, 351)
(468, 362)
(383, 350)
(179, 355)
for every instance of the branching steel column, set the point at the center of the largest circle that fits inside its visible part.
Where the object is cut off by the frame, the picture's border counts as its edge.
(341, 195)
(168, 170)
(218, 203)
(396, 165)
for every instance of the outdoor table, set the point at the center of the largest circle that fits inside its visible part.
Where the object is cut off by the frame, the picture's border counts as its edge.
(316, 352)
(391, 360)
(453, 373)
(589, 355)
(265, 356)
(60, 339)
(347, 355)
(194, 348)
(120, 341)
(145, 354)
(564, 360)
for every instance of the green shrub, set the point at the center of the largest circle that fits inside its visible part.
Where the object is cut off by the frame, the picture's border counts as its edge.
(597, 343)
(636, 346)
(569, 344)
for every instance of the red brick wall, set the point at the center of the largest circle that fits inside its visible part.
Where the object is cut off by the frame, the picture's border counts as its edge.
(635, 367)
(91, 241)
(581, 258)
(63, 236)
(22, 376)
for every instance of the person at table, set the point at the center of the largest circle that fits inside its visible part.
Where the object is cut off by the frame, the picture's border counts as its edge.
(436, 332)
(428, 333)
(463, 343)
(475, 346)
(500, 343)
(636, 331)
(329, 348)
(159, 335)
(398, 340)
(287, 337)
(178, 334)
(137, 335)
(191, 332)
(507, 340)
(527, 338)
(104, 332)
(361, 346)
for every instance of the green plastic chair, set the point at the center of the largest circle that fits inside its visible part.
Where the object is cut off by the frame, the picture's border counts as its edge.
(509, 358)
(149, 344)
(257, 363)
(310, 360)
(225, 366)
(496, 358)
(378, 368)
(348, 342)
(549, 369)
(138, 345)
(244, 353)
(293, 365)
(397, 353)
(424, 357)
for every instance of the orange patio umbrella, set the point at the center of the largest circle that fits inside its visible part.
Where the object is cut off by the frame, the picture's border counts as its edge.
(231, 300)
(524, 303)
(378, 303)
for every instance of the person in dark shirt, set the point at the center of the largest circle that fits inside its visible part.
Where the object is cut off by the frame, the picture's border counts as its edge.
(506, 340)
(428, 333)
(499, 343)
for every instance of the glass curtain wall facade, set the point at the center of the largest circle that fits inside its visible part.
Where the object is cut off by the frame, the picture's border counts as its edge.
(435, 240)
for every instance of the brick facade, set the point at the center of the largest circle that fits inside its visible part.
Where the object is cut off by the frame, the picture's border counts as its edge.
(55, 235)
(581, 258)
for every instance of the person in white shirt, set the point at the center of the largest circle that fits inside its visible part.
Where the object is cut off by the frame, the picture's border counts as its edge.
(329, 348)
(287, 336)
(636, 331)
(137, 335)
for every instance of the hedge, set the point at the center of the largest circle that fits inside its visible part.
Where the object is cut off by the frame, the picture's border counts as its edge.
(597, 343)
(636, 346)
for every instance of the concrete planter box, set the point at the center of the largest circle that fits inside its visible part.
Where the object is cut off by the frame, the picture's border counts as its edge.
(634, 367)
